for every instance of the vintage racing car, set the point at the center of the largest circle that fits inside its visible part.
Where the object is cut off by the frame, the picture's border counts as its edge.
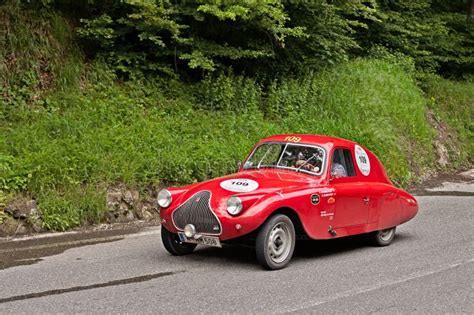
(289, 186)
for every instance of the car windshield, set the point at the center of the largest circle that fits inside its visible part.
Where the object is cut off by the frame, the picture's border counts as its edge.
(297, 157)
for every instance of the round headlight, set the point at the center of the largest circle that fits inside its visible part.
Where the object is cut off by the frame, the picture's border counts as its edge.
(234, 205)
(164, 198)
(189, 230)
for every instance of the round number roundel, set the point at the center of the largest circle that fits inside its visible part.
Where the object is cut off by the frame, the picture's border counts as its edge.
(362, 160)
(239, 185)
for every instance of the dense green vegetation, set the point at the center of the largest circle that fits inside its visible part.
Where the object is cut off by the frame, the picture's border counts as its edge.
(190, 38)
(151, 93)
(452, 104)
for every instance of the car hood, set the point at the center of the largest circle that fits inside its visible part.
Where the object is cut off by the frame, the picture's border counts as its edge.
(253, 182)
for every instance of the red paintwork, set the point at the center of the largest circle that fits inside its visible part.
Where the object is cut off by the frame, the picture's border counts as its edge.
(388, 206)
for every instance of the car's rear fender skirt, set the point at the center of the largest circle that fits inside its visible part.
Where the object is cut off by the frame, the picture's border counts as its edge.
(409, 207)
(397, 207)
(390, 212)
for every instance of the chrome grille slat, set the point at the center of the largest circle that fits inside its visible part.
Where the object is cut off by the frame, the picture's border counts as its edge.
(197, 211)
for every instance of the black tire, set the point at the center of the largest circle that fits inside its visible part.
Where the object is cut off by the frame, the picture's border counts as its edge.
(278, 233)
(382, 237)
(173, 245)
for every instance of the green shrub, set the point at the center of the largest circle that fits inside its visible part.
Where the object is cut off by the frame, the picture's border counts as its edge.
(58, 213)
(155, 133)
(369, 101)
(69, 130)
(452, 102)
(70, 206)
(228, 92)
(134, 133)
(12, 179)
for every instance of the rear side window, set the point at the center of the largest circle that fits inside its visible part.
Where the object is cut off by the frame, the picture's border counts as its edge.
(342, 164)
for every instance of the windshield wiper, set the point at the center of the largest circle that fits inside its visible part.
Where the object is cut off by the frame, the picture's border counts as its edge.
(263, 157)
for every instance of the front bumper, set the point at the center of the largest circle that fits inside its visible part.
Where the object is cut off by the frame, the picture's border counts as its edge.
(231, 227)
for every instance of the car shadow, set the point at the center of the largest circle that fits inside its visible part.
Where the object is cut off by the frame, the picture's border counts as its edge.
(338, 246)
(304, 249)
(324, 248)
(236, 254)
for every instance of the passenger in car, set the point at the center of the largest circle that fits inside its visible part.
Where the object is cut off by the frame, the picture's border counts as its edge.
(338, 170)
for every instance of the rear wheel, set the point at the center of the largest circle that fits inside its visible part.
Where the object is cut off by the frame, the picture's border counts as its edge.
(173, 244)
(275, 242)
(382, 237)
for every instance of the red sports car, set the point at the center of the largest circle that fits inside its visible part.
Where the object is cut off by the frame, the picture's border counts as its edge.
(289, 187)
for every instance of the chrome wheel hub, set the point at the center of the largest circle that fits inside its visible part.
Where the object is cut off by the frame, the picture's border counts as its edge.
(279, 242)
(386, 234)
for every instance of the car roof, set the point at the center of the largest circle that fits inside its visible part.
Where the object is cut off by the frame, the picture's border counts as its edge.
(310, 139)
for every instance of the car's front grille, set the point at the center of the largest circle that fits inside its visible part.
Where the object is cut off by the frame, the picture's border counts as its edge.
(197, 211)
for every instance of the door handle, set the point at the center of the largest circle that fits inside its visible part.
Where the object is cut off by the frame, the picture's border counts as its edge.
(366, 200)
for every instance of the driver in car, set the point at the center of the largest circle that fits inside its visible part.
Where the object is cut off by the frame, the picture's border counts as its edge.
(307, 161)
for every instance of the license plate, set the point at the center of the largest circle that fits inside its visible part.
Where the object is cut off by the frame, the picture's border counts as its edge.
(203, 240)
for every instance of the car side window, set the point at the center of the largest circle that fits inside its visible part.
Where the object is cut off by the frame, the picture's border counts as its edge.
(342, 164)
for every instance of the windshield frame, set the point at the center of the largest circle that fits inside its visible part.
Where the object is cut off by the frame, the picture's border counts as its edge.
(285, 143)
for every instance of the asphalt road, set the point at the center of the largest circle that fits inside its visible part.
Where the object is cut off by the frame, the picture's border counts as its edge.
(428, 269)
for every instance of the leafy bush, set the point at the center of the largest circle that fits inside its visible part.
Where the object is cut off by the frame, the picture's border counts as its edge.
(37, 54)
(134, 133)
(65, 208)
(437, 34)
(150, 34)
(228, 92)
(369, 101)
(453, 103)
(58, 212)
(10, 179)
(66, 141)
(266, 38)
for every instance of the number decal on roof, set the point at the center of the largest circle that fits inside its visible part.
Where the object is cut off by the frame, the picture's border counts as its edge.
(293, 139)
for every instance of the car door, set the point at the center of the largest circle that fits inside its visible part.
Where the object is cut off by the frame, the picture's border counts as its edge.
(351, 204)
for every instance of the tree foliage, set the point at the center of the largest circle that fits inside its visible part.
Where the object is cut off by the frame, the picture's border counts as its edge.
(269, 37)
(435, 33)
(204, 34)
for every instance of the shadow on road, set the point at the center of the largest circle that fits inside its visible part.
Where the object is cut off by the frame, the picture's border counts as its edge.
(236, 254)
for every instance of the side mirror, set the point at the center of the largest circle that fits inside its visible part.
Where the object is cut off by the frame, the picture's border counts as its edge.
(239, 165)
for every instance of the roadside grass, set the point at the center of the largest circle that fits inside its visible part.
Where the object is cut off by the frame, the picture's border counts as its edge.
(68, 150)
(37, 55)
(452, 102)
(372, 102)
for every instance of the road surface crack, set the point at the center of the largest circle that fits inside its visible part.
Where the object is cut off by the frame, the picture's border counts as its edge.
(87, 287)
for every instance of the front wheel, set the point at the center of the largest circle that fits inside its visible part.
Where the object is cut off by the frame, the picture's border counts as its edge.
(276, 242)
(173, 244)
(382, 237)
